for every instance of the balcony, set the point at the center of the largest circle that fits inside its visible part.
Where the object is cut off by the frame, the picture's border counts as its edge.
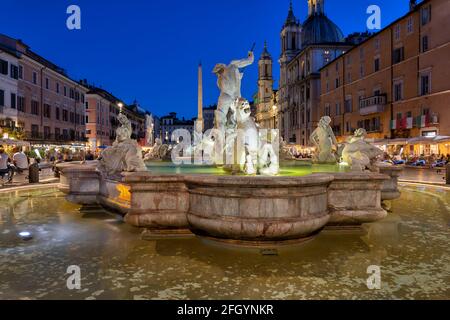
(372, 105)
(51, 138)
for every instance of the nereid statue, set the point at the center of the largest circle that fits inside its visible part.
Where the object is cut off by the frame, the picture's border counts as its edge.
(125, 155)
(324, 140)
(159, 151)
(359, 154)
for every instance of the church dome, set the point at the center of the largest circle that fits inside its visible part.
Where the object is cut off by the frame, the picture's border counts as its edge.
(318, 29)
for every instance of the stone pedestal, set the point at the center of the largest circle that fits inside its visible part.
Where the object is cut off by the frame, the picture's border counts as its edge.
(158, 202)
(355, 198)
(390, 189)
(258, 209)
(81, 182)
(447, 174)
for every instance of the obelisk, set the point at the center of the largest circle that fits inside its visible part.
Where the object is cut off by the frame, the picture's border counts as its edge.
(199, 125)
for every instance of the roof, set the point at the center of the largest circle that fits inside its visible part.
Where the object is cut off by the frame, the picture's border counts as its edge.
(318, 28)
(265, 54)
(291, 19)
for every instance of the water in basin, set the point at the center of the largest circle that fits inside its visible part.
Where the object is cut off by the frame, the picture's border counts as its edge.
(286, 171)
(412, 247)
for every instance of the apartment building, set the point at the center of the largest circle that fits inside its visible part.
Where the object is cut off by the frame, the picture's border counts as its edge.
(102, 109)
(170, 123)
(47, 106)
(9, 76)
(395, 84)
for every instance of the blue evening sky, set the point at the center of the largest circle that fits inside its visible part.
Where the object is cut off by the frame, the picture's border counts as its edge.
(149, 49)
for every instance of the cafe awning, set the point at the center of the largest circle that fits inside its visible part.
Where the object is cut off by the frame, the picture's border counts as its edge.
(14, 142)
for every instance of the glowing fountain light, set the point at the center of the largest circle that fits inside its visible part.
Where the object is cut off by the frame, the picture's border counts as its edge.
(25, 235)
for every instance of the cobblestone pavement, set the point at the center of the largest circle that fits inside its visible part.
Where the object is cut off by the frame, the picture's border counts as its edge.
(433, 176)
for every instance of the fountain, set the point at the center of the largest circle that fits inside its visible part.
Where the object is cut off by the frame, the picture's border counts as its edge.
(250, 202)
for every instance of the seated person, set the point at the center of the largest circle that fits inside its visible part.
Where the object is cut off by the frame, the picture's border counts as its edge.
(20, 160)
(4, 159)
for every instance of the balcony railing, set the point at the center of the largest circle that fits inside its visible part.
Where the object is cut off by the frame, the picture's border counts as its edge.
(372, 105)
(49, 137)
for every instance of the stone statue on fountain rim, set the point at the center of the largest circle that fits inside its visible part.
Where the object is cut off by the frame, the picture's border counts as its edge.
(125, 155)
(324, 140)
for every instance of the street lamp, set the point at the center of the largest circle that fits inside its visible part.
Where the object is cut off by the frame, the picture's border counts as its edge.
(120, 104)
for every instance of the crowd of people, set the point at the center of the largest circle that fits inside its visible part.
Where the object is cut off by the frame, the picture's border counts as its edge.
(432, 161)
(17, 160)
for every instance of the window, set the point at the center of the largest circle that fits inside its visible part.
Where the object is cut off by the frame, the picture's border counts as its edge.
(397, 32)
(57, 87)
(424, 43)
(398, 91)
(14, 72)
(34, 107)
(13, 100)
(349, 59)
(424, 84)
(377, 64)
(4, 67)
(46, 132)
(65, 91)
(348, 105)
(72, 94)
(34, 77)
(2, 98)
(399, 55)
(34, 131)
(72, 117)
(65, 115)
(47, 111)
(47, 83)
(377, 44)
(57, 113)
(20, 72)
(410, 25)
(425, 15)
(327, 110)
(338, 109)
(349, 77)
(361, 70)
(337, 83)
(57, 133)
(21, 104)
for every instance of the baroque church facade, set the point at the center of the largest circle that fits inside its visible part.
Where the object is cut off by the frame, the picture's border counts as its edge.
(305, 48)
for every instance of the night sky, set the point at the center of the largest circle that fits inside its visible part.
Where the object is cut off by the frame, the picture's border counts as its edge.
(149, 50)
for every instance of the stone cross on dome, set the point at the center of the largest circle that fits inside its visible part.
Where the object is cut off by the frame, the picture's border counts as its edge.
(316, 7)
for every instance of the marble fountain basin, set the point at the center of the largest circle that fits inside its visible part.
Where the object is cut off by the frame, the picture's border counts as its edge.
(239, 209)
